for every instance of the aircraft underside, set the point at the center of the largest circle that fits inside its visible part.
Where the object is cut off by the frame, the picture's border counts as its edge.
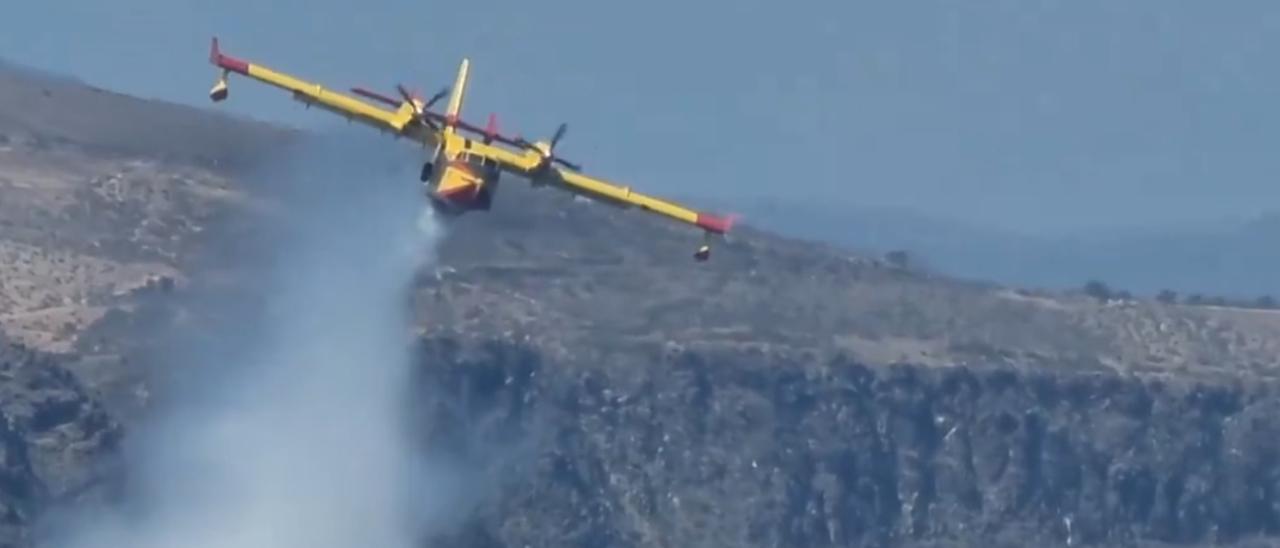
(460, 189)
(453, 205)
(463, 171)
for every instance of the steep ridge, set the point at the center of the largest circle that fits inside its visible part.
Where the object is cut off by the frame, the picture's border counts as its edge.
(50, 110)
(735, 450)
(600, 387)
(55, 438)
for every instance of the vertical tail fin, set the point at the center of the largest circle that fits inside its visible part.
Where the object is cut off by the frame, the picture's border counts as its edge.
(459, 90)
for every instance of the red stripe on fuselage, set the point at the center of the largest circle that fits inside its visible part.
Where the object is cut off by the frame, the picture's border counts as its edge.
(456, 193)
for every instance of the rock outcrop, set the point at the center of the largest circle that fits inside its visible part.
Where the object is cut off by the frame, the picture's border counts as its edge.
(702, 450)
(594, 387)
(54, 438)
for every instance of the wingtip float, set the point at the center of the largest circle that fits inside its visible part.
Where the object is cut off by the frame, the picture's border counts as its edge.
(464, 161)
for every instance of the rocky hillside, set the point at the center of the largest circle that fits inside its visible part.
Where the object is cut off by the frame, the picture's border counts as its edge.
(651, 401)
(55, 437)
(708, 449)
(49, 111)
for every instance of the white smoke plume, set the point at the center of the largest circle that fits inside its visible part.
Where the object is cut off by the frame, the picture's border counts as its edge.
(290, 430)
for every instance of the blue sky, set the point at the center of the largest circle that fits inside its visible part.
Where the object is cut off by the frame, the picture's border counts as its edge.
(1040, 115)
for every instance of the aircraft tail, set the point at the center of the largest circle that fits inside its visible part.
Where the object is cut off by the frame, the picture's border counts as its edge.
(454, 108)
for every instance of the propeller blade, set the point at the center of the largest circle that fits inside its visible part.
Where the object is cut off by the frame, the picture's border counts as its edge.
(559, 134)
(438, 96)
(418, 113)
(568, 164)
(408, 97)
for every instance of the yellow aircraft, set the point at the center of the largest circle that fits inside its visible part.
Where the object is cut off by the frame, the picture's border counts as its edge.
(461, 173)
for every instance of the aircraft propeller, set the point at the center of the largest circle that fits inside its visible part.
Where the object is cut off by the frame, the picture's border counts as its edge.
(422, 116)
(420, 111)
(548, 154)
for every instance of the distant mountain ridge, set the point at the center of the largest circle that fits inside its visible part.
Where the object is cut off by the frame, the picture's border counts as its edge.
(1229, 259)
(51, 109)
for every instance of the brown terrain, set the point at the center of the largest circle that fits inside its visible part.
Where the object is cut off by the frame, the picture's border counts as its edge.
(897, 406)
(91, 214)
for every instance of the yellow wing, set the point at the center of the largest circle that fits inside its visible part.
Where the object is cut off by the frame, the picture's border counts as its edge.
(516, 157)
(625, 197)
(534, 161)
(530, 163)
(311, 94)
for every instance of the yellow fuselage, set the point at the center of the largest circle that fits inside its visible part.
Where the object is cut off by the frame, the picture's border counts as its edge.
(460, 181)
(462, 174)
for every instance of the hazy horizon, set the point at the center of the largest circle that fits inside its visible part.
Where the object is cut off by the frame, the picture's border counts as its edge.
(1044, 116)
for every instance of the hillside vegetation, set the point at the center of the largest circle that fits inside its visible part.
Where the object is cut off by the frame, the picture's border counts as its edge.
(785, 393)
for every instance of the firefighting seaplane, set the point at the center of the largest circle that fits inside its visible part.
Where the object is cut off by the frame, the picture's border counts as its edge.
(464, 161)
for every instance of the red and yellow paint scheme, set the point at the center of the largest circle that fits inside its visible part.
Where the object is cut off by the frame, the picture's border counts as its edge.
(465, 161)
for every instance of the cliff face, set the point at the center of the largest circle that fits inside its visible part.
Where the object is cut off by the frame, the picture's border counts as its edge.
(690, 449)
(697, 450)
(53, 437)
(593, 387)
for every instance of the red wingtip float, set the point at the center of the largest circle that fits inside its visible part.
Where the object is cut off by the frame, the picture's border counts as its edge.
(464, 162)
(716, 223)
(226, 62)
